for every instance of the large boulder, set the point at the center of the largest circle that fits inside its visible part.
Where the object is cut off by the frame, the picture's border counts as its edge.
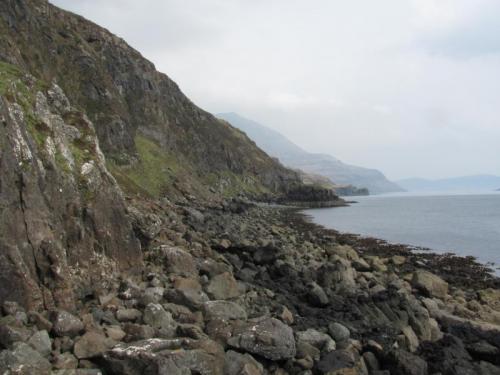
(223, 286)
(267, 337)
(92, 344)
(65, 324)
(430, 284)
(178, 261)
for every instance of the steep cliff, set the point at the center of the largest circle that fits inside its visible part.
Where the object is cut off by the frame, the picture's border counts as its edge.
(154, 138)
(63, 223)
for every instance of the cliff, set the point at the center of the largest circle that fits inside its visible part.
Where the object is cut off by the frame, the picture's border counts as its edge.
(144, 123)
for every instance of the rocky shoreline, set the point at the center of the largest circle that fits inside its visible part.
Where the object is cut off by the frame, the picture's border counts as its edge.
(235, 288)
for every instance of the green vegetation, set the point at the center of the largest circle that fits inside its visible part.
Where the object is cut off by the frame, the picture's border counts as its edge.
(15, 86)
(233, 184)
(153, 173)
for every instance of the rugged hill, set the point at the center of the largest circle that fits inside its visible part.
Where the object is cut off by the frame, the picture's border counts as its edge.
(70, 89)
(290, 154)
(465, 183)
(144, 123)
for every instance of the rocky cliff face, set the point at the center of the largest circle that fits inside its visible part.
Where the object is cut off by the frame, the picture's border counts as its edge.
(143, 121)
(62, 214)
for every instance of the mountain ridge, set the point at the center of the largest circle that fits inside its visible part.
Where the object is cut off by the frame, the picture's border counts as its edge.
(277, 145)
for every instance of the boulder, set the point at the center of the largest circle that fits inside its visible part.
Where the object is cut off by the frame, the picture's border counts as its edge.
(178, 261)
(10, 332)
(268, 337)
(223, 286)
(430, 284)
(318, 339)
(192, 298)
(403, 362)
(342, 362)
(128, 315)
(92, 344)
(241, 364)
(339, 332)
(156, 316)
(179, 356)
(225, 310)
(316, 295)
(40, 341)
(65, 324)
(411, 339)
(23, 360)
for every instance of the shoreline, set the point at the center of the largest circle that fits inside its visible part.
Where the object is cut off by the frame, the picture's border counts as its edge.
(438, 262)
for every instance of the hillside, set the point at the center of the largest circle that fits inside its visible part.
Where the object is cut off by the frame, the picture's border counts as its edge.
(465, 183)
(290, 154)
(143, 121)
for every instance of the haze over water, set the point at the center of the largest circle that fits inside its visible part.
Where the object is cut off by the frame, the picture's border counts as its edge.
(462, 224)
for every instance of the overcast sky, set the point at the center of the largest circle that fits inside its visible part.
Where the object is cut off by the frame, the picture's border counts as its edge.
(411, 87)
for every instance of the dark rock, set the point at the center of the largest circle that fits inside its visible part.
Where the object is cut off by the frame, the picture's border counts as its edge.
(318, 339)
(10, 332)
(10, 308)
(128, 315)
(403, 362)
(317, 295)
(65, 324)
(40, 341)
(223, 310)
(339, 332)
(65, 361)
(178, 261)
(158, 356)
(223, 286)
(23, 360)
(137, 332)
(268, 338)
(341, 362)
(92, 344)
(156, 316)
(40, 321)
(241, 364)
(191, 298)
(430, 284)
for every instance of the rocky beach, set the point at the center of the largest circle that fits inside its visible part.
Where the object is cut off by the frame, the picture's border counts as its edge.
(237, 288)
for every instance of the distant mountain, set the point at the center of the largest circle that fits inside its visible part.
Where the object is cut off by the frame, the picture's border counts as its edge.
(291, 155)
(476, 182)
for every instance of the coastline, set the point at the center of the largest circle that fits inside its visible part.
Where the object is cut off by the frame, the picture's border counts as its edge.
(466, 271)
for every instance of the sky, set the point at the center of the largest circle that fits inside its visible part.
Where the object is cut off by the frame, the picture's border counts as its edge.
(410, 87)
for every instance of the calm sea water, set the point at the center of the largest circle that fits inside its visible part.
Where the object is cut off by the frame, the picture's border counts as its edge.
(462, 224)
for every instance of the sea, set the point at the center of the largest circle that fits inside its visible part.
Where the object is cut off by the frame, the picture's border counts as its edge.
(466, 224)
